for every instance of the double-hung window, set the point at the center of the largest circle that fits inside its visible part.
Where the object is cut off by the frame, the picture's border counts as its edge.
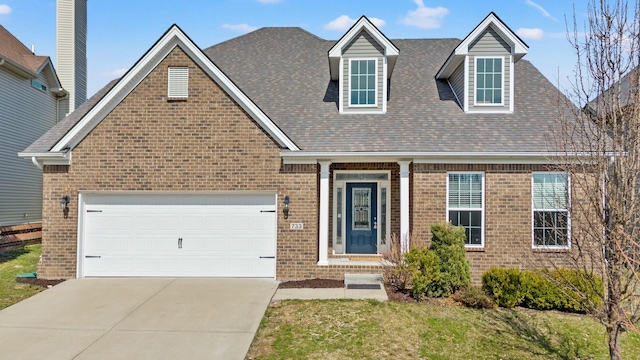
(465, 205)
(489, 81)
(551, 223)
(362, 86)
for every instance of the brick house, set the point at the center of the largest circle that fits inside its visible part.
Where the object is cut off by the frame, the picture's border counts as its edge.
(280, 154)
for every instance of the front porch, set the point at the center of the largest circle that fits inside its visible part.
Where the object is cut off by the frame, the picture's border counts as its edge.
(361, 206)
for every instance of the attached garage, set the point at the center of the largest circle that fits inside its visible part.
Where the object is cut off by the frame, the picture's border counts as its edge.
(177, 234)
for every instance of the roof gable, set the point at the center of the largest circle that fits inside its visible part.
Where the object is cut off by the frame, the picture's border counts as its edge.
(363, 24)
(18, 58)
(172, 38)
(518, 47)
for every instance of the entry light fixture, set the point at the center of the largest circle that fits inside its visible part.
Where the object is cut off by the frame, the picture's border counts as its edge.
(64, 201)
(286, 207)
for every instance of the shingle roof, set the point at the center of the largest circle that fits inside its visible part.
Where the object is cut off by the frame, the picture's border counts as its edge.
(13, 49)
(51, 137)
(285, 72)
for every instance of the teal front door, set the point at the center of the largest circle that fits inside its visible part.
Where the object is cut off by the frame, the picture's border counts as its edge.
(361, 221)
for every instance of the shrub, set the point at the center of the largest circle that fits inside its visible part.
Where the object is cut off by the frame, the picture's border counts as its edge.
(438, 271)
(447, 242)
(504, 285)
(423, 266)
(561, 289)
(474, 297)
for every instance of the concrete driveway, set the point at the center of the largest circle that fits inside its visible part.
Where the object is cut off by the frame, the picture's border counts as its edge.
(137, 319)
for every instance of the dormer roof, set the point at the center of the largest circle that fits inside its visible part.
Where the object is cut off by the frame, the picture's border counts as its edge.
(518, 47)
(390, 51)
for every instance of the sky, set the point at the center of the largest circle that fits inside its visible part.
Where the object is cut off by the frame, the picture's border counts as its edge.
(121, 31)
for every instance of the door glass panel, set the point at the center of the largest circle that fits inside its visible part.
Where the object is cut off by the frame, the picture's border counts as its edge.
(339, 217)
(383, 216)
(366, 176)
(361, 208)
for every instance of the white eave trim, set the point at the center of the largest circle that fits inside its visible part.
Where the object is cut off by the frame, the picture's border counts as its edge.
(172, 38)
(363, 22)
(48, 158)
(302, 157)
(518, 48)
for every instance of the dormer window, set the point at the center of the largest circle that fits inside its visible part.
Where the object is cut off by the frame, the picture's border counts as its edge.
(362, 86)
(361, 63)
(489, 81)
(480, 70)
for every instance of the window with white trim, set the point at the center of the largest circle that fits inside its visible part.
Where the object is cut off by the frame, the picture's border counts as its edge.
(489, 81)
(362, 83)
(178, 82)
(551, 221)
(465, 205)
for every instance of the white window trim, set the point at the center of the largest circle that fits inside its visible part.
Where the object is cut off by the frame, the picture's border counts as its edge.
(334, 211)
(475, 81)
(482, 208)
(375, 104)
(533, 210)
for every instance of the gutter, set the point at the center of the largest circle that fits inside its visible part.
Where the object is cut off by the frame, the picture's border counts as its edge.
(48, 158)
(302, 157)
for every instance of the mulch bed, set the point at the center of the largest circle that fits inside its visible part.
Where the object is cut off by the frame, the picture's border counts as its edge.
(39, 282)
(312, 284)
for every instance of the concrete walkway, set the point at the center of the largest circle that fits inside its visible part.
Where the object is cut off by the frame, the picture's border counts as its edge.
(137, 319)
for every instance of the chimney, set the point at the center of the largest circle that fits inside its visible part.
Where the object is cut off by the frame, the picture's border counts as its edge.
(71, 49)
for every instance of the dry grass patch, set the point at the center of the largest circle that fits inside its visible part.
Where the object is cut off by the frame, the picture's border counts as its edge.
(350, 329)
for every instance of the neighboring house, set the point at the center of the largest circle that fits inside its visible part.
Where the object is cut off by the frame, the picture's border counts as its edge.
(280, 154)
(30, 96)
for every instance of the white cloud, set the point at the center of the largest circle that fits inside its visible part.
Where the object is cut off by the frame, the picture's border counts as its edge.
(239, 27)
(270, 1)
(344, 22)
(534, 33)
(425, 17)
(5, 9)
(542, 10)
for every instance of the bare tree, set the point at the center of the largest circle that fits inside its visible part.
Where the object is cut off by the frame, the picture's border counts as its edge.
(599, 146)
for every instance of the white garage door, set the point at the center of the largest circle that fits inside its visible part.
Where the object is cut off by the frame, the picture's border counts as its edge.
(179, 235)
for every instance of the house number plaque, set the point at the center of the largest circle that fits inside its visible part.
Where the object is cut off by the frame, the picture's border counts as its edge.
(296, 226)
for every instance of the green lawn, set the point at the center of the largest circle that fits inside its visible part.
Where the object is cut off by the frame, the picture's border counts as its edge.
(11, 264)
(351, 329)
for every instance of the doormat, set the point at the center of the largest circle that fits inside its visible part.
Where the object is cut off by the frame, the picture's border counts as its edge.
(365, 258)
(363, 286)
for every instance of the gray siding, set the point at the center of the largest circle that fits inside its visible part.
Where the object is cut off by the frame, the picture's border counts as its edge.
(363, 46)
(80, 53)
(457, 83)
(25, 114)
(489, 44)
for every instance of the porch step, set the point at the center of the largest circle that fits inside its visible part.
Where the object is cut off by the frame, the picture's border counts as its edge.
(363, 279)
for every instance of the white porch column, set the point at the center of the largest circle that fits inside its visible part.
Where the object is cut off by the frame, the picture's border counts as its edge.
(323, 231)
(404, 205)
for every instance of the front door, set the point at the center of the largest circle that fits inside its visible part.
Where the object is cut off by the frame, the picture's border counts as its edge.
(362, 222)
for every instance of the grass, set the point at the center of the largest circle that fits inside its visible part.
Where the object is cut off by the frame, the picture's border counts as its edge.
(351, 329)
(13, 263)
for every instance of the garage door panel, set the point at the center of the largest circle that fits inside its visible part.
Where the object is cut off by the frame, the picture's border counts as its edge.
(133, 235)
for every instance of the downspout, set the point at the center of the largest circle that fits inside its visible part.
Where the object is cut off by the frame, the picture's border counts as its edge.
(35, 162)
(58, 99)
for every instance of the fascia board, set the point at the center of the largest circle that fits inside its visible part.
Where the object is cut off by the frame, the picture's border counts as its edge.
(172, 38)
(17, 68)
(518, 48)
(363, 22)
(302, 157)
